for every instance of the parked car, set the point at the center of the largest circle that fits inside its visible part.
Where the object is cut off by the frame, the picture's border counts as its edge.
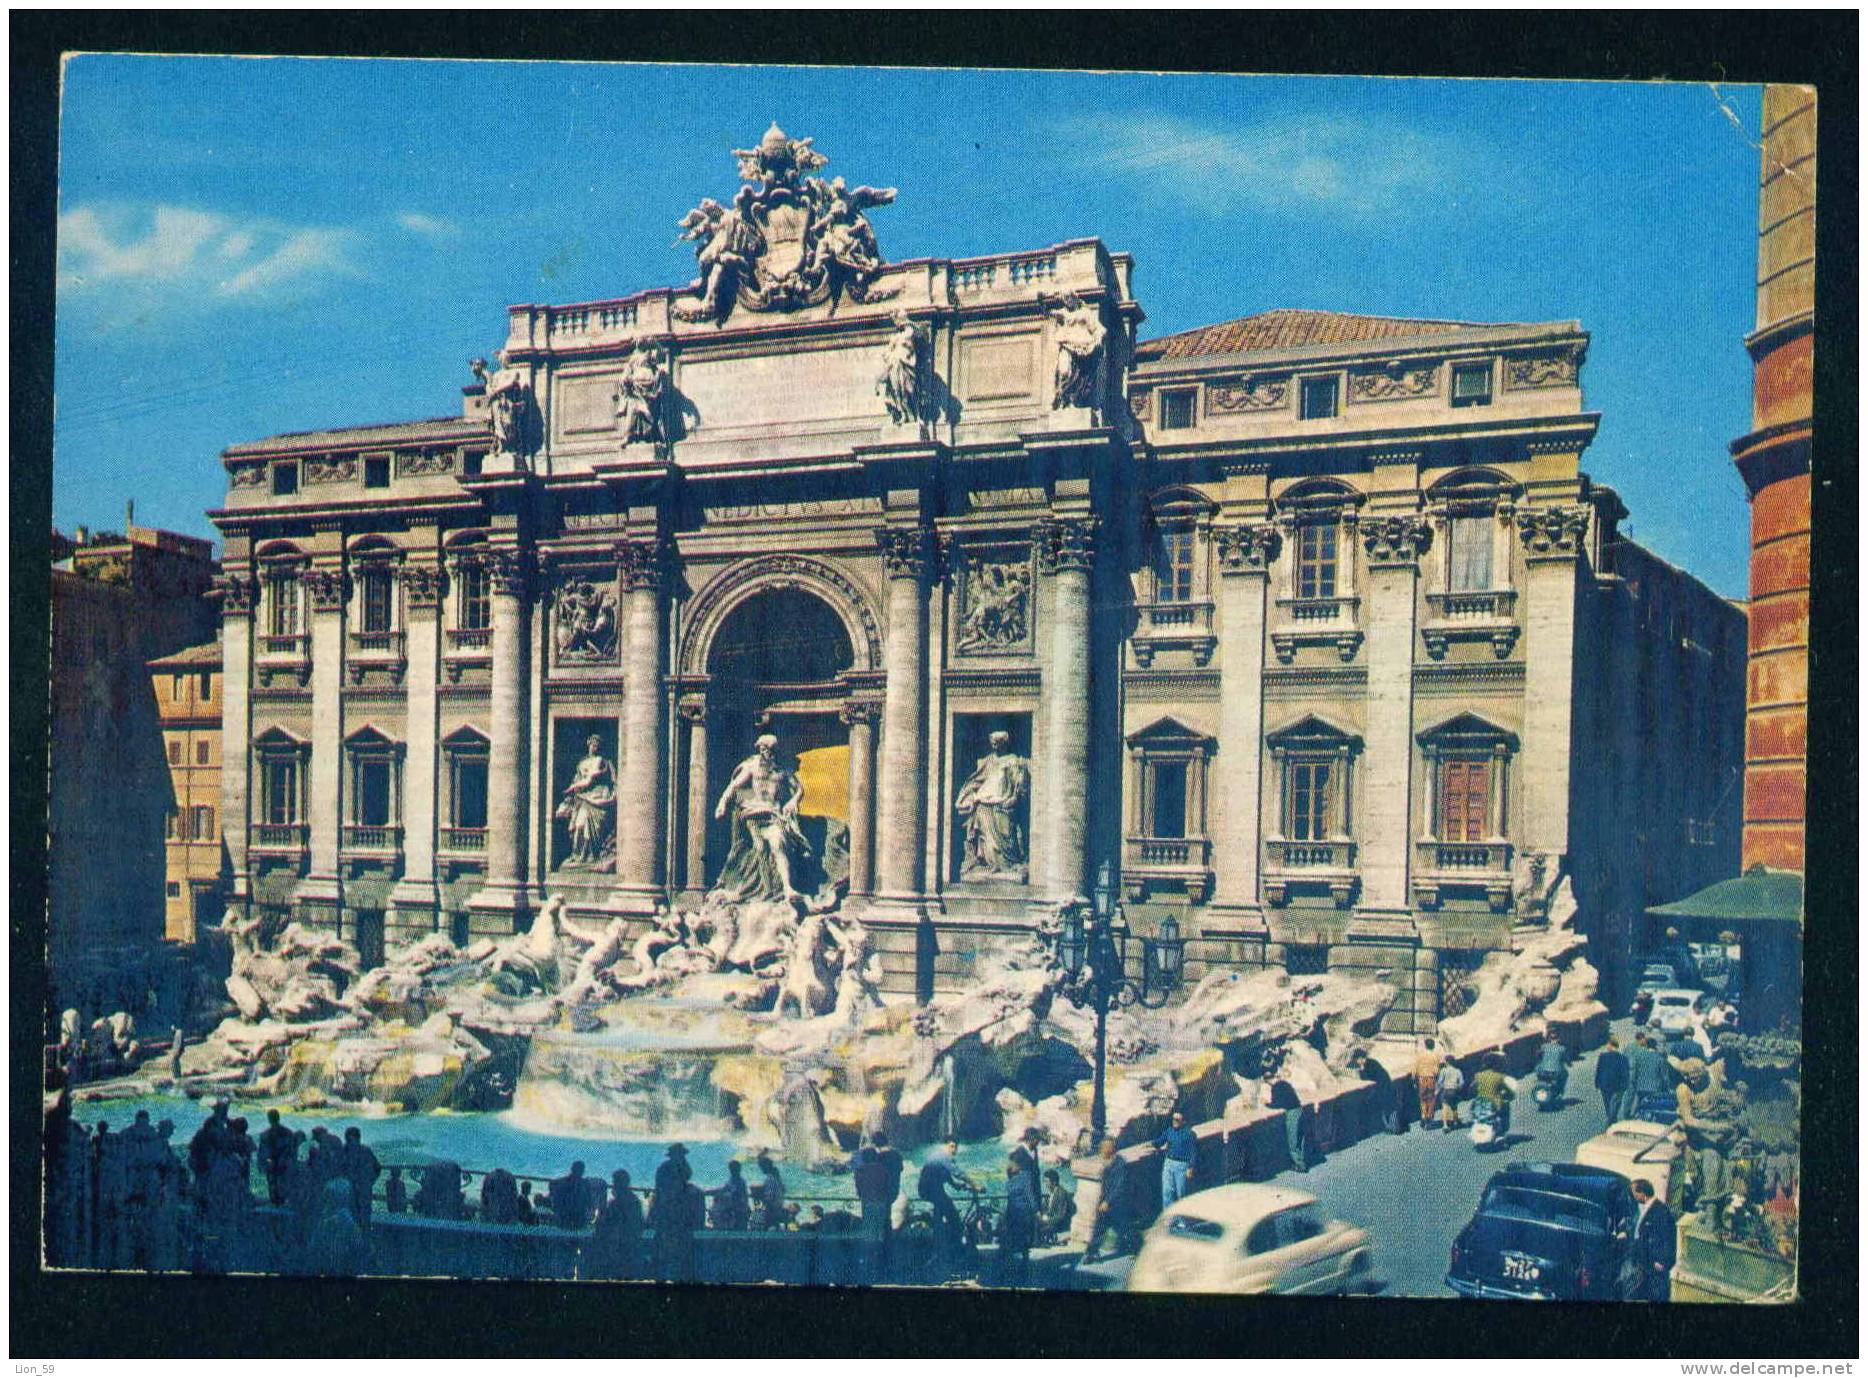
(1545, 1232)
(1252, 1237)
(1676, 1011)
(1634, 1148)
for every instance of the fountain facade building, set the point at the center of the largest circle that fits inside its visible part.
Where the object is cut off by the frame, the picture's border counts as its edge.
(1309, 623)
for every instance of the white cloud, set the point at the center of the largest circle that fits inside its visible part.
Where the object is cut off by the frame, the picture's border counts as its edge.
(1339, 163)
(427, 226)
(186, 252)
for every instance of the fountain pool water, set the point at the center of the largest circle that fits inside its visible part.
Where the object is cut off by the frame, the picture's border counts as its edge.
(486, 1141)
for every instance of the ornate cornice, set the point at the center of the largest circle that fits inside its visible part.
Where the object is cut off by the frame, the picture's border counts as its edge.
(907, 552)
(237, 594)
(861, 712)
(1248, 548)
(1395, 540)
(327, 588)
(692, 710)
(640, 564)
(421, 585)
(1552, 533)
(1066, 544)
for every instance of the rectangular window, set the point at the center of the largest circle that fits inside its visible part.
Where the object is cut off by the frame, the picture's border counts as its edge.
(279, 789)
(1307, 959)
(1472, 385)
(376, 600)
(1316, 561)
(469, 790)
(175, 688)
(476, 604)
(175, 890)
(1308, 801)
(284, 480)
(376, 471)
(1170, 799)
(471, 461)
(172, 826)
(1177, 409)
(1465, 801)
(202, 825)
(1174, 567)
(201, 752)
(175, 753)
(282, 600)
(370, 935)
(1317, 398)
(206, 689)
(372, 795)
(1469, 555)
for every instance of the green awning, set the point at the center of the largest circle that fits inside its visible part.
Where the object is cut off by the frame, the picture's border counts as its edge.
(1758, 896)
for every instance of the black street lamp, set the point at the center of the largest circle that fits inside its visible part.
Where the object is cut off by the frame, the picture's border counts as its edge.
(1095, 956)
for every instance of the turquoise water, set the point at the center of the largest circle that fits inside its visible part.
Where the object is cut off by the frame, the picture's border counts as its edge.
(485, 1141)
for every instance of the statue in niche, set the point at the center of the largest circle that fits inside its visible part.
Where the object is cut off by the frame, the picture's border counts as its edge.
(586, 626)
(507, 394)
(770, 855)
(588, 809)
(640, 395)
(899, 383)
(993, 803)
(1080, 334)
(998, 607)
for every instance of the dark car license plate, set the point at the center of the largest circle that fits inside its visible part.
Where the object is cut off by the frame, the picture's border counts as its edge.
(1521, 1268)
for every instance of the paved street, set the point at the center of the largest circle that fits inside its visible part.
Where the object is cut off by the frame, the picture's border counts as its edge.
(1414, 1192)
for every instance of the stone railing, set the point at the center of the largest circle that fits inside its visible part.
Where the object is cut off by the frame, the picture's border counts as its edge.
(1433, 855)
(290, 646)
(371, 837)
(469, 640)
(1337, 854)
(1317, 621)
(1311, 611)
(377, 645)
(277, 837)
(1014, 270)
(1183, 861)
(1187, 623)
(1483, 615)
(469, 840)
(1486, 605)
(1439, 865)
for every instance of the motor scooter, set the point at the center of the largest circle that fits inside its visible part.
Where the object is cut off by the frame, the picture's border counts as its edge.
(1548, 1093)
(1490, 1123)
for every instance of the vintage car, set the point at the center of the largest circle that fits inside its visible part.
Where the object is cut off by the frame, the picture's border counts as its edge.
(1635, 1148)
(1545, 1232)
(1252, 1237)
(1676, 1011)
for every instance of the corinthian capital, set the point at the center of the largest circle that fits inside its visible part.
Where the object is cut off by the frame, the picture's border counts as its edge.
(1396, 540)
(237, 594)
(1552, 533)
(1247, 548)
(509, 572)
(1066, 543)
(421, 585)
(326, 588)
(639, 563)
(904, 550)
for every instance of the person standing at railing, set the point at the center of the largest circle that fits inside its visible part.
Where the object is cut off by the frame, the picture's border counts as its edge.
(616, 1242)
(573, 1200)
(938, 1175)
(396, 1193)
(1019, 1229)
(771, 1194)
(877, 1171)
(732, 1203)
(360, 1169)
(278, 1146)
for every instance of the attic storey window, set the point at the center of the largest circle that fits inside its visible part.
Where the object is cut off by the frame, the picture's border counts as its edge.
(1472, 384)
(1317, 398)
(1177, 409)
(284, 479)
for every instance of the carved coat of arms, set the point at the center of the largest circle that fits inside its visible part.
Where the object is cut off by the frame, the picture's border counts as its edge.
(788, 240)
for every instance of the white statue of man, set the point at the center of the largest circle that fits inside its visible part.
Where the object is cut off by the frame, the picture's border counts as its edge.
(991, 801)
(763, 799)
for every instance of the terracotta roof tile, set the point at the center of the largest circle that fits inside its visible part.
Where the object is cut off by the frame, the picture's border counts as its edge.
(207, 653)
(1286, 328)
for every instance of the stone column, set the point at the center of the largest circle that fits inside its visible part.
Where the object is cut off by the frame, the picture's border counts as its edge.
(415, 898)
(694, 714)
(861, 715)
(502, 898)
(899, 821)
(1385, 838)
(1066, 549)
(1553, 538)
(639, 737)
(321, 892)
(238, 594)
(1246, 553)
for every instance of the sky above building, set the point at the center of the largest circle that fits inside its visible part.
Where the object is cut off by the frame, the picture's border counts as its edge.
(250, 246)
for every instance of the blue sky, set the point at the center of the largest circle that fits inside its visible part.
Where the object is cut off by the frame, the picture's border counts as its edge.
(249, 246)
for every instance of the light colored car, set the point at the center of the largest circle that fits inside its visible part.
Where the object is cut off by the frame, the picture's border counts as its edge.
(1676, 1011)
(1252, 1237)
(1634, 1148)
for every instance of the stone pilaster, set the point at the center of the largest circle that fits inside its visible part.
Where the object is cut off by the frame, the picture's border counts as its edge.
(1394, 544)
(320, 894)
(861, 715)
(899, 821)
(1066, 550)
(503, 899)
(1246, 553)
(1553, 539)
(639, 736)
(415, 898)
(239, 593)
(693, 711)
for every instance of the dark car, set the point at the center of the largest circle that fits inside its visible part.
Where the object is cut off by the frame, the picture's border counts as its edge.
(1545, 1232)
